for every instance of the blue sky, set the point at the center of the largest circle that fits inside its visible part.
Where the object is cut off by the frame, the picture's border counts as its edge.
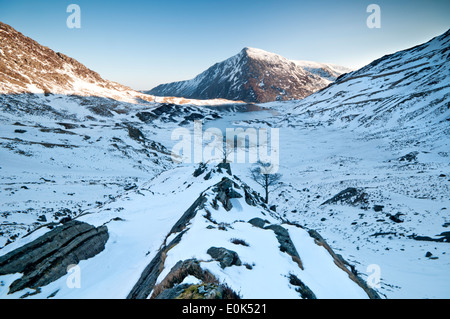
(144, 43)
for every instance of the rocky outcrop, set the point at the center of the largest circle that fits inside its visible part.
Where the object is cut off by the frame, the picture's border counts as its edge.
(171, 286)
(224, 166)
(302, 289)
(25, 63)
(258, 222)
(46, 259)
(349, 196)
(444, 237)
(177, 285)
(188, 214)
(135, 133)
(146, 282)
(343, 264)
(286, 244)
(184, 114)
(225, 192)
(410, 157)
(225, 257)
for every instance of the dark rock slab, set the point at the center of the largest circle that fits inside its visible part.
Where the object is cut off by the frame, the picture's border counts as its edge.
(135, 133)
(188, 214)
(146, 283)
(257, 222)
(396, 218)
(378, 208)
(304, 290)
(444, 237)
(226, 257)
(286, 244)
(45, 259)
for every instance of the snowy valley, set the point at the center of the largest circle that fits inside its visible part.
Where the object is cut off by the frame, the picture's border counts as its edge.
(88, 184)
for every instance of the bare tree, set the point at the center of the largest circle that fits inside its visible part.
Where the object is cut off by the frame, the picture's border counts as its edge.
(227, 149)
(261, 175)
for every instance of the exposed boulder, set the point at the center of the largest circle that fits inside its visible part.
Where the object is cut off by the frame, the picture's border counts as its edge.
(203, 167)
(135, 133)
(225, 191)
(200, 170)
(378, 208)
(396, 218)
(410, 157)
(45, 259)
(349, 196)
(146, 116)
(303, 289)
(258, 222)
(252, 198)
(225, 256)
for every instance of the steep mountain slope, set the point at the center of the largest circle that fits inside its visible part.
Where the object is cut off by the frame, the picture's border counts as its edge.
(410, 87)
(254, 75)
(29, 67)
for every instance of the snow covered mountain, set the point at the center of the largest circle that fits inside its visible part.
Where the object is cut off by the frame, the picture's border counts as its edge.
(254, 75)
(410, 87)
(29, 67)
(88, 187)
(368, 165)
(87, 180)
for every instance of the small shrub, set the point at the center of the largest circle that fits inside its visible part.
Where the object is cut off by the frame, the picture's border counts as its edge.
(238, 241)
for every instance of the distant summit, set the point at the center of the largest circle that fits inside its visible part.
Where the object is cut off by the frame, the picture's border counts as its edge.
(255, 75)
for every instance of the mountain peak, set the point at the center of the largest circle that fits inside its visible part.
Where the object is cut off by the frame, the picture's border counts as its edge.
(260, 54)
(253, 75)
(250, 50)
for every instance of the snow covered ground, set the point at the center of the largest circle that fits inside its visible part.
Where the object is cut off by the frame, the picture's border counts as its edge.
(316, 163)
(67, 166)
(107, 162)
